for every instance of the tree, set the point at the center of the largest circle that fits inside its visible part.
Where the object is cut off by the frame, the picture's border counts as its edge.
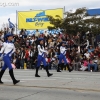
(56, 22)
(94, 24)
(76, 22)
(73, 21)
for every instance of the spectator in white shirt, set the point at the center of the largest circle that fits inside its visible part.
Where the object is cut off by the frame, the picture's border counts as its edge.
(37, 34)
(87, 54)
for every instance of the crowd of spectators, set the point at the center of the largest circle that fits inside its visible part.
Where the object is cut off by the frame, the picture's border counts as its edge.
(83, 51)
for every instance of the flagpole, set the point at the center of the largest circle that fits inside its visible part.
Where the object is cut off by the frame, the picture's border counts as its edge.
(16, 21)
(64, 9)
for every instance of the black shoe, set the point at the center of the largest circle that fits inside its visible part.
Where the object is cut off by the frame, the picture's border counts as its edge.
(37, 75)
(1, 74)
(16, 81)
(13, 78)
(49, 75)
(1, 82)
(69, 70)
(58, 71)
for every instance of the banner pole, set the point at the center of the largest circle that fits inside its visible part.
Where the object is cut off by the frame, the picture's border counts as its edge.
(16, 21)
(64, 11)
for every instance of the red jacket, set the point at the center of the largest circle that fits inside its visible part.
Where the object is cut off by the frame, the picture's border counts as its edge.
(26, 54)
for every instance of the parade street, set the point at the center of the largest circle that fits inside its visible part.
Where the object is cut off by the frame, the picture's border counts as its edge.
(61, 86)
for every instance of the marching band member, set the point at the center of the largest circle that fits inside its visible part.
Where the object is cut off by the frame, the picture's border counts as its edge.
(41, 58)
(7, 50)
(62, 57)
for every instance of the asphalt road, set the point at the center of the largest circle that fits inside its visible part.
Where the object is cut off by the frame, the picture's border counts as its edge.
(61, 86)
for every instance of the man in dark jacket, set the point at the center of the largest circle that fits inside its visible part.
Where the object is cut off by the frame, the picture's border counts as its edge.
(22, 55)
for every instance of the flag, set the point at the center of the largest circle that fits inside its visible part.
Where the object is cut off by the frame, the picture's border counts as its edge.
(11, 25)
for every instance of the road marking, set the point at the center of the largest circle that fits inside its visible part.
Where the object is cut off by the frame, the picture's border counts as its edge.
(64, 88)
(24, 80)
(48, 78)
(38, 79)
(5, 80)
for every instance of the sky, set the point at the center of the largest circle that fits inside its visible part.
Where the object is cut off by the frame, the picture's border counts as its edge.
(8, 7)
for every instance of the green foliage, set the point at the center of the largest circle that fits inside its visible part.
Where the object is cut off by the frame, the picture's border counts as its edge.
(76, 21)
(56, 22)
